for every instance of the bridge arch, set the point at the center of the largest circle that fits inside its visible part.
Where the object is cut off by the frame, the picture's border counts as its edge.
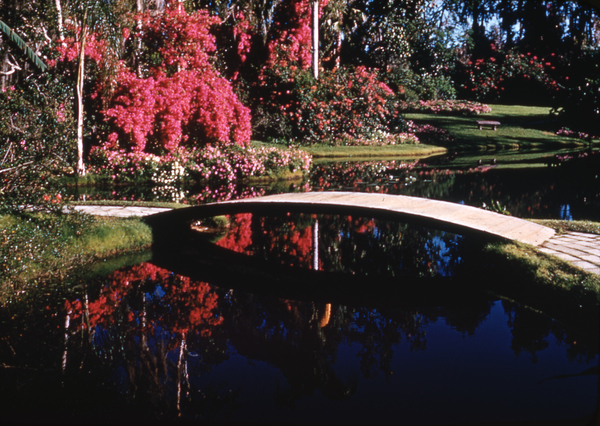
(456, 217)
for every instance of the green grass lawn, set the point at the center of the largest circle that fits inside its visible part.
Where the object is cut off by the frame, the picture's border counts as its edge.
(368, 152)
(38, 245)
(522, 128)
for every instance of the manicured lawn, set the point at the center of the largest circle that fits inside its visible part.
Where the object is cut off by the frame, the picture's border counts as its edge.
(522, 128)
(388, 151)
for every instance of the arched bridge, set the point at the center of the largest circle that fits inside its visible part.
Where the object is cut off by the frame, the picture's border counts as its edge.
(458, 217)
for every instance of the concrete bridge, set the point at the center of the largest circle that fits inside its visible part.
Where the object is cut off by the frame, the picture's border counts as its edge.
(582, 250)
(456, 217)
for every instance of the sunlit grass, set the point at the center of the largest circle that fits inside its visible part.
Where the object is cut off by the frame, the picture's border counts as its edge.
(522, 127)
(540, 268)
(42, 245)
(571, 226)
(388, 151)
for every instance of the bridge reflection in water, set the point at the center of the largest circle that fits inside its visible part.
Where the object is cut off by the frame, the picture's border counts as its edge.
(454, 216)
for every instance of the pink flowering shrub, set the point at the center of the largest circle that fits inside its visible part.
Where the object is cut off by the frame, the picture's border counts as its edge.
(227, 164)
(212, 164)
(342, 104)
(446, 106)
(291, 44)
(565, 131)
(182, 99)
(493, 77)
(430, 134)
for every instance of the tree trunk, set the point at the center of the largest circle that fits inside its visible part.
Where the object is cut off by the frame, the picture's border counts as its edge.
(138, 44)
(316, 39)
(61, 31)
(80, 81)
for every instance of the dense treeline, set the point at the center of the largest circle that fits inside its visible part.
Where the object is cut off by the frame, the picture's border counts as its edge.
(160, 76)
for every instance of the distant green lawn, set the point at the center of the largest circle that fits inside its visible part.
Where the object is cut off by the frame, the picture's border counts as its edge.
(366, 152)
(522, 128)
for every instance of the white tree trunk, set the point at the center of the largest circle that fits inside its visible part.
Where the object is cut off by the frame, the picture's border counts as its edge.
(138, 52)
(61, 30)
(316, 39)
(80, 116)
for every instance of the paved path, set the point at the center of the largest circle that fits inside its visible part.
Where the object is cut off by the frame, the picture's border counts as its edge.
(119, 211)
(582, 250)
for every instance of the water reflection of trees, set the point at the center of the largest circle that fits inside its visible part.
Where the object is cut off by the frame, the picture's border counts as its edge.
(526, 192)
(144, 325)
(347, 244)
(147, 336)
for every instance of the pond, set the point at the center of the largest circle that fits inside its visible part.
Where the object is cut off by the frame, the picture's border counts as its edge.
(303, 318)
(529, 189)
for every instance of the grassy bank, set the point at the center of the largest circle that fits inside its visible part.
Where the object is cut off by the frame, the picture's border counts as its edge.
(586, 226)
(388, 152)
(539, 268)
(36, 246)
(522, 128)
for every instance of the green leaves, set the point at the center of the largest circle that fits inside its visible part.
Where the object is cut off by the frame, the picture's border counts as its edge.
(33, 57)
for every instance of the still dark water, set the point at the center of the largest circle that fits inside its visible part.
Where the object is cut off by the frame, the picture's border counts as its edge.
(302, 318)
(528, 190)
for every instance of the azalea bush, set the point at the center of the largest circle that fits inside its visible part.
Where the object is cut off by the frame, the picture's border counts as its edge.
(181, 100)
(565, 131)
(430, 134)
(378, 138)
(215, 164)
(342, 104)
(446, 106)
(508, 75)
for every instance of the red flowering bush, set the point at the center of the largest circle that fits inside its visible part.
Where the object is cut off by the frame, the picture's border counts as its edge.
(508, 75)
(283, 239)
(445, 106)
(181, 99)
(342, 104)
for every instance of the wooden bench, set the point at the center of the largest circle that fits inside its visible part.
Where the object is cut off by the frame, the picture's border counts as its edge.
(493, 124)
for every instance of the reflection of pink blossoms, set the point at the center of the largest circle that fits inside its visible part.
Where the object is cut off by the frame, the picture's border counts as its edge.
(186, 307)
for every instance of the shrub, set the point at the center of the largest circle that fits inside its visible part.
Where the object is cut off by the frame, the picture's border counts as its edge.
(36, 142)
(342, 104)
(578, 99)
(182, 99)
(446, 106)
(215, 164)
(509, 76)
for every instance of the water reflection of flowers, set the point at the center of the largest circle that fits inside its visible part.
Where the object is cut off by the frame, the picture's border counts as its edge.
(185, 305)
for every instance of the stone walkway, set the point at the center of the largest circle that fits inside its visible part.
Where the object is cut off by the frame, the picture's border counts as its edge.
(119, 211)
(580, 249)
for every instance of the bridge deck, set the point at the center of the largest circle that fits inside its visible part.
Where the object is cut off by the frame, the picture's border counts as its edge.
(451, 213)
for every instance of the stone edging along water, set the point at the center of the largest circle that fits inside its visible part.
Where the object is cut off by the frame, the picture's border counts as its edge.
(579, 249)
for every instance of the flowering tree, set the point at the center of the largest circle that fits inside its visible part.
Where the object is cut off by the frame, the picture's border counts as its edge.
(182, 98)
(94, 26)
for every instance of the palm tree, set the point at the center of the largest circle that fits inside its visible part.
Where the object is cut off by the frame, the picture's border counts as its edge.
(28, 51)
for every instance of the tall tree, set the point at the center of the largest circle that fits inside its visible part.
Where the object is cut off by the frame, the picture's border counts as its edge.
(90, 17)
